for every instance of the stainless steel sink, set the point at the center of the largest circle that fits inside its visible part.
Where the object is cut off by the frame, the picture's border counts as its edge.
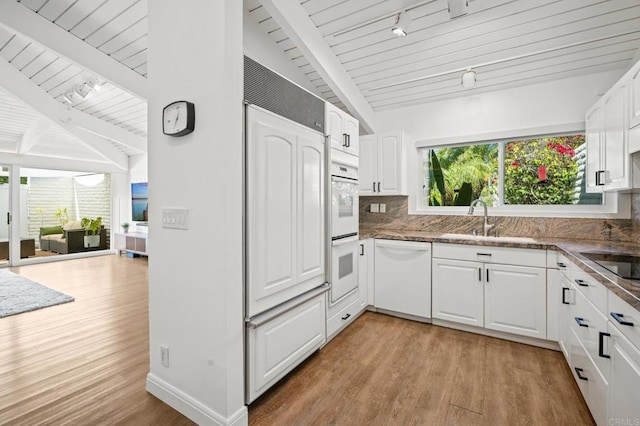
(489, 238)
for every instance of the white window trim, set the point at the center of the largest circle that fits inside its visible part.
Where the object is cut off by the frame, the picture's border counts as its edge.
(615, 205)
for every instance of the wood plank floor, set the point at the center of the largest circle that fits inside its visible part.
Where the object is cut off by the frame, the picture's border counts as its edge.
(85, 362)
(388, 371)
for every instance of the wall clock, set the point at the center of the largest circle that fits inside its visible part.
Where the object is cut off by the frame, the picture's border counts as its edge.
(178, 118)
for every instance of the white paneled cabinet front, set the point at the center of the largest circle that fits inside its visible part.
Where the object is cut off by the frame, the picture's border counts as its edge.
(515, 300)
(343, 130)
(285, 200)
(608, 160)
(403, 277)
(281, 343)
(383, 164)
(624, 402)
(458, 291)
(509, 298)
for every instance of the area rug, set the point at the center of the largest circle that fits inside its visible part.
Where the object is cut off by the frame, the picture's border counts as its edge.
(19, 294)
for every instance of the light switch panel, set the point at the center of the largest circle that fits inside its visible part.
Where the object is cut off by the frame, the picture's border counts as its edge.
(175, 218)
(383, 208)
(374, 208)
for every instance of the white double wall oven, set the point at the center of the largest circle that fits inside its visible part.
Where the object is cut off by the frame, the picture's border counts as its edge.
(344, 226)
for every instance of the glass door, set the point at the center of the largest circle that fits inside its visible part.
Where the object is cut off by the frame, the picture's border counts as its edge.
(5, 201)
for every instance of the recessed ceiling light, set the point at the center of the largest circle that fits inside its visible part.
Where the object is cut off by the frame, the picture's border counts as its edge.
(401, 26)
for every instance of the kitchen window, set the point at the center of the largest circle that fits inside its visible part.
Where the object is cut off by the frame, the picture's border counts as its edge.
(508, 174)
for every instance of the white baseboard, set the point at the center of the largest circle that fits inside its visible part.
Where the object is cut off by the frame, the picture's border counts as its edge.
(192, 408)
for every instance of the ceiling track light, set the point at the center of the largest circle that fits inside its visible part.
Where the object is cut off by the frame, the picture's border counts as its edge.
(81, 91)
(401, 27)
(468, 79)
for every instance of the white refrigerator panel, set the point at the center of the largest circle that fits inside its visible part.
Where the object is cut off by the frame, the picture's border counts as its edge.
(285, 210)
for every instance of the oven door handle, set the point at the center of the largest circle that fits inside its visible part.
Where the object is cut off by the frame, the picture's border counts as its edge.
(344, 179)
(343, 241)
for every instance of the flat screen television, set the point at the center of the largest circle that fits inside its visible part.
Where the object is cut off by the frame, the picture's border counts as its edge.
(140, 202)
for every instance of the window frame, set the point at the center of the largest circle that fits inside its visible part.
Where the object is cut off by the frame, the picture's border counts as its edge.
(615, 205)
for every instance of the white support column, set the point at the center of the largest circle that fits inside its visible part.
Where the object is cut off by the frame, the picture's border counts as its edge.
(195, 274)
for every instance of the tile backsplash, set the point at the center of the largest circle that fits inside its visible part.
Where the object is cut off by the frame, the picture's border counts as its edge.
(397, 217)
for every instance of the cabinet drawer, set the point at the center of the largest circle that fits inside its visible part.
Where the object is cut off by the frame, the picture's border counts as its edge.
(593, 386)
(277, 345)
(627, 314)
(593, 290)
(588, 323)
(342, 318)
(486, 254)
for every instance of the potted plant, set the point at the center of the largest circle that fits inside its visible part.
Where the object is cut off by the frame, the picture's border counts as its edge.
(63, 216)
(91, 231)
(125, 227)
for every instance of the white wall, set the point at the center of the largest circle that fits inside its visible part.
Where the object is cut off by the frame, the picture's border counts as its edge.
(529, 107)
(195, 275)
(263, 49)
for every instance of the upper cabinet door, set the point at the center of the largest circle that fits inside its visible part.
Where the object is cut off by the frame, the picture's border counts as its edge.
(615, 137)
(335, 126)
(594, 140)
(352, 130)
(343, 130)
(390, 164)
(368, 170)
(634, 96)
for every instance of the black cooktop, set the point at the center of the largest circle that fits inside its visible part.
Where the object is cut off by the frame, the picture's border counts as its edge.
(623, 265)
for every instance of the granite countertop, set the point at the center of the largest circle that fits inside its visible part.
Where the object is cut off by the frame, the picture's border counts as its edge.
(627, 290)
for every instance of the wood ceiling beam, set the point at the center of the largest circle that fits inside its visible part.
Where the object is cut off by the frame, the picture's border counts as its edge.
(16, 17)
(100, 146)
(23, 88)
(42, 162)
(296, 23)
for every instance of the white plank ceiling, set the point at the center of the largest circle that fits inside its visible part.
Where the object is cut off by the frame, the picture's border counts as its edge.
(508, 43)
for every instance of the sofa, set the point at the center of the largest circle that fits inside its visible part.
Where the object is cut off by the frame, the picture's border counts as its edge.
(68, 238)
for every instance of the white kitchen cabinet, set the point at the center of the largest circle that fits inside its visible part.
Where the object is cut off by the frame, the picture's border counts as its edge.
(403, 277)
(383, 159)
(608, 160)
(509, 298)
(276, 344)
(364, 275)
(624, 402)
(458, 291)
(567, 298)
(285, 212)
(592, 384)
(343, 130)
(634, 108)
(515, 300)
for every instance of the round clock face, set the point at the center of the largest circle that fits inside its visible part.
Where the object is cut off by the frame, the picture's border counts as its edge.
(177, 119)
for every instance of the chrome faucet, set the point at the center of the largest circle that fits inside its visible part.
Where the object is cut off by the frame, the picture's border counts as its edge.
(486, 225)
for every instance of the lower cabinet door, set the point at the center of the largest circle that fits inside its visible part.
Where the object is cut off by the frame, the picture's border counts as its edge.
(592, 384)
(457, 291)
(567, 298)
(277, 345)
(624, 403)
(515, 300)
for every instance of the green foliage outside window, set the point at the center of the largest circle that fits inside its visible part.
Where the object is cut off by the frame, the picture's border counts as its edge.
(523, 161)
(540, 171)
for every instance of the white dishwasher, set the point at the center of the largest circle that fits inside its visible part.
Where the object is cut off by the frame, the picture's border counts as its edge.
(403, 277)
